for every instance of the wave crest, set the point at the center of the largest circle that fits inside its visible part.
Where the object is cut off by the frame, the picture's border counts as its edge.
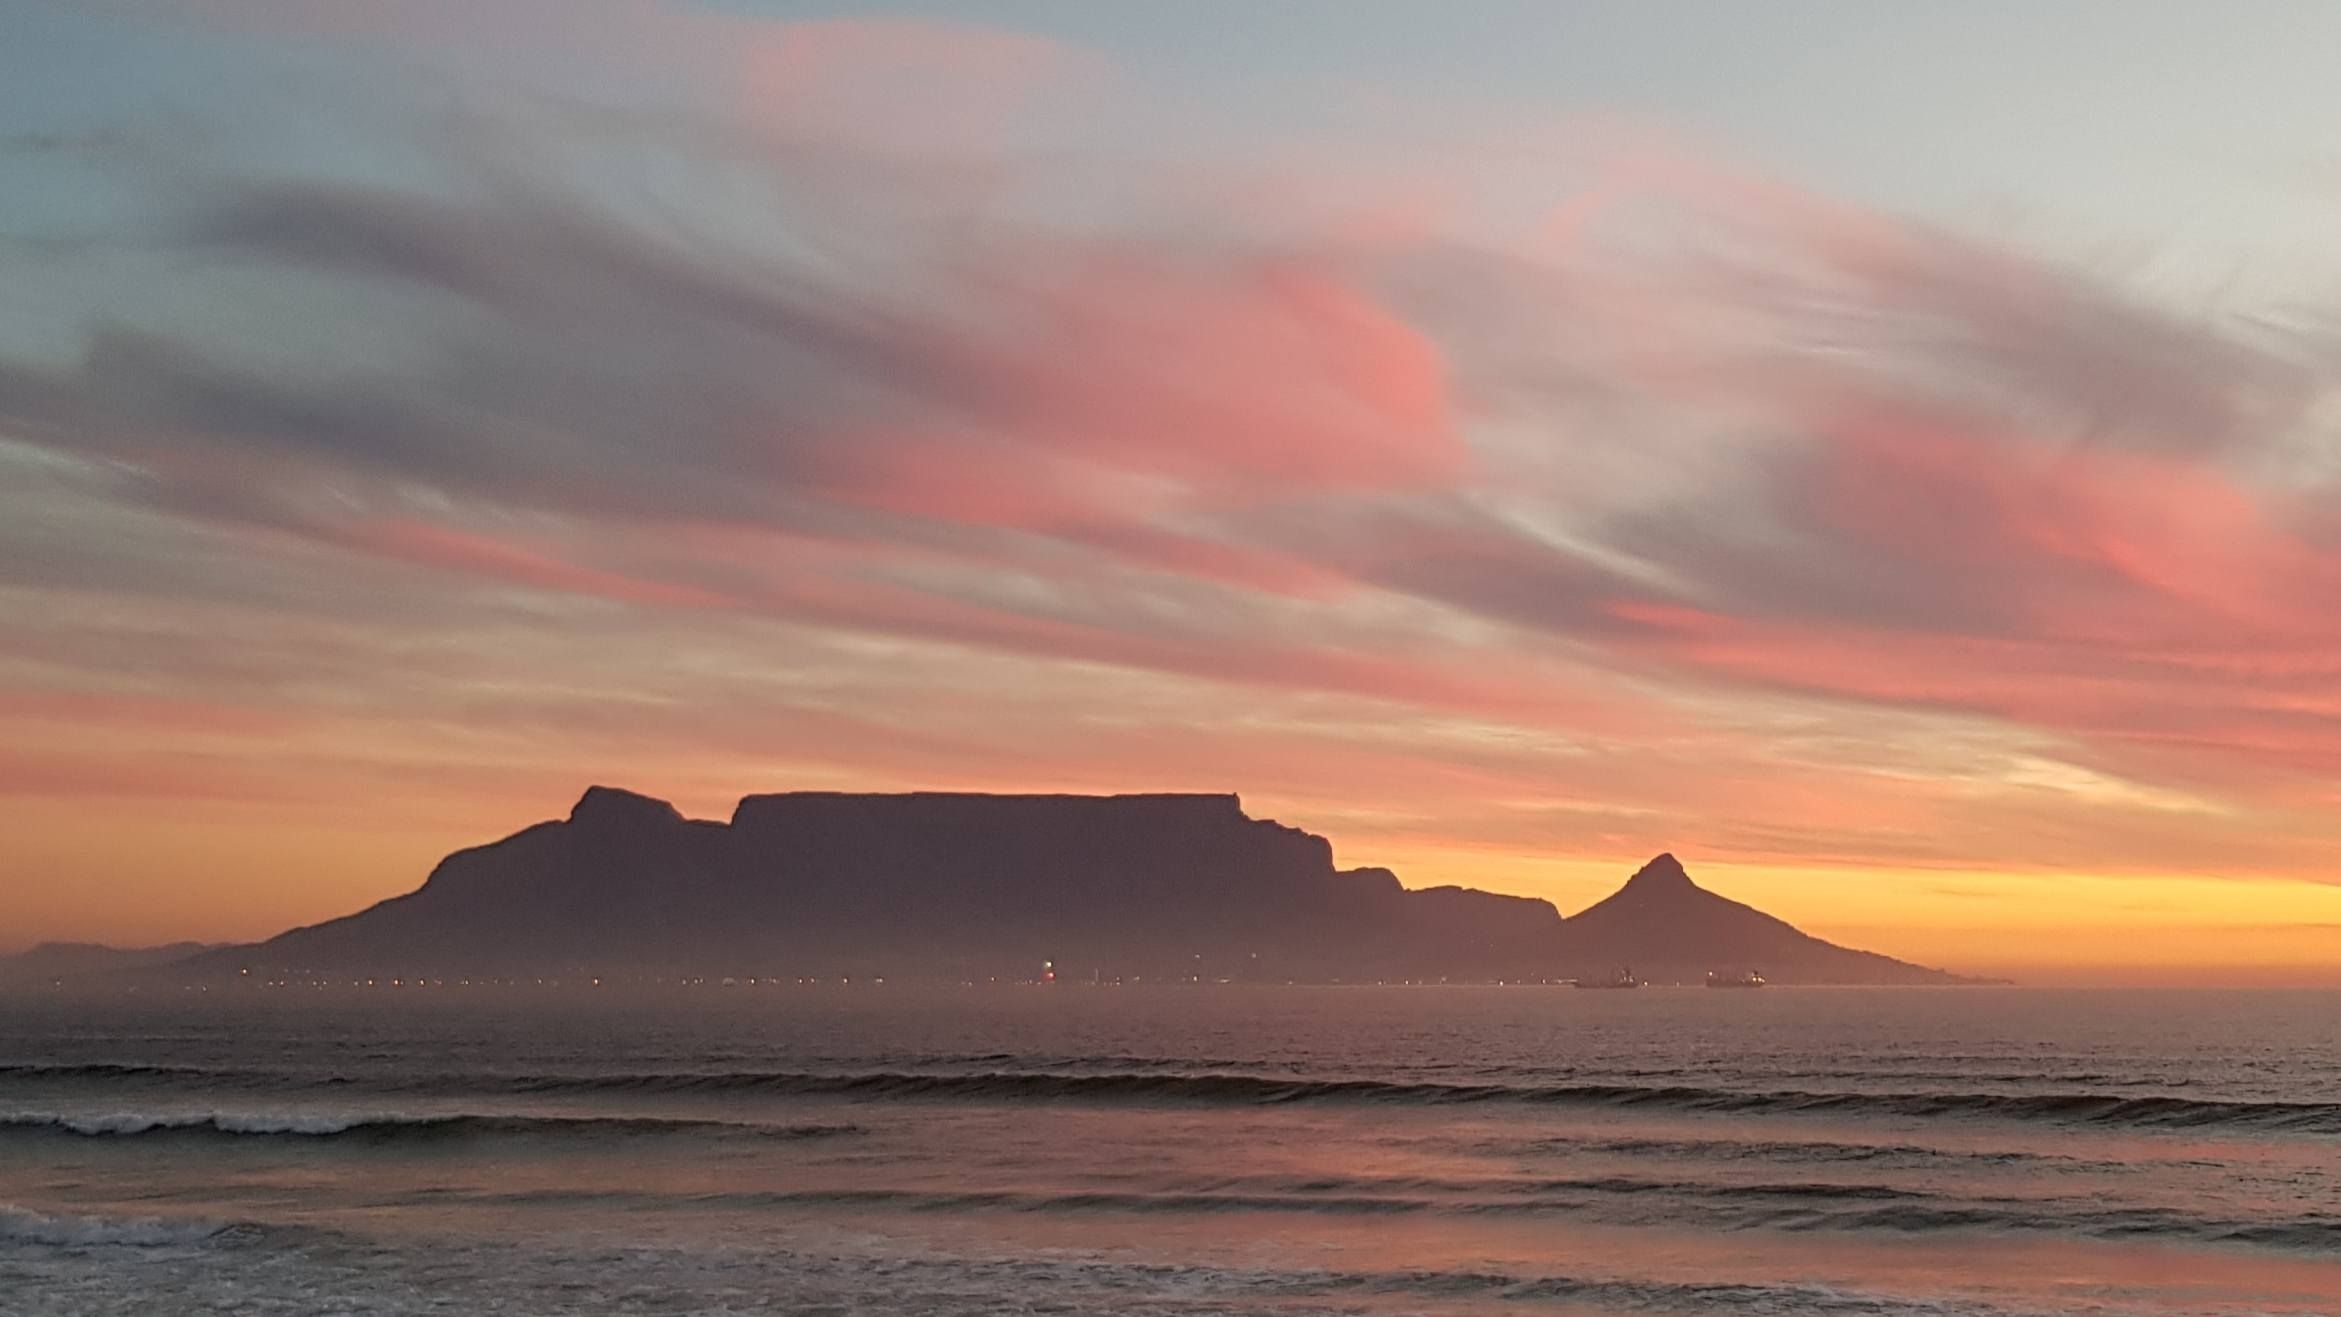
(384, 1127)
(1254, 1090)
(19, 1225)
(1149, 1086)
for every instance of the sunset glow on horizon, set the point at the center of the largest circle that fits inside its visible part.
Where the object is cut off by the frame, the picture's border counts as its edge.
(1508, 459)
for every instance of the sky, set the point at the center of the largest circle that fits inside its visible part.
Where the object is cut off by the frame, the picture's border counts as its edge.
(1888, 456)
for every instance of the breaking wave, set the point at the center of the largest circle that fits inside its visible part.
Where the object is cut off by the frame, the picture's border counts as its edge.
(550, 1280)
(1787, 1206)
(1250, 1090)
(386, 1128)
(61, 1230)
(1238, 1089)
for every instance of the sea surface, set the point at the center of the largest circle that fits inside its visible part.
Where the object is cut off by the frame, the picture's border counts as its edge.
(1076, 1149)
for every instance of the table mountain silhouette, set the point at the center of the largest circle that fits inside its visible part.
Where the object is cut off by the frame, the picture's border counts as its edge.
(956, 886)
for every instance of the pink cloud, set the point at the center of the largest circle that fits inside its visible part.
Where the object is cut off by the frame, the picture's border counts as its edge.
(448, 549)
(1267, 377)
(1133, 381)
(907, 84)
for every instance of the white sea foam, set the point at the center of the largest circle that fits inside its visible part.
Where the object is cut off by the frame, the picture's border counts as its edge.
(395, 1281)
(126, 1123)
(20, 1225)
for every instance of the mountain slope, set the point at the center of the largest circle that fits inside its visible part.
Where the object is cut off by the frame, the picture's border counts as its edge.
(923, 884)
(1669, 929)
(955, 886)
(53, 961)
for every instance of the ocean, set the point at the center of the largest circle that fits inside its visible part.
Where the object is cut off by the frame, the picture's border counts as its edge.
(877, 1149)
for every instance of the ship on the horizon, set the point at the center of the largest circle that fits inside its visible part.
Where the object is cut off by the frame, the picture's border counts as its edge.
(1623, 977)
(1744, 979)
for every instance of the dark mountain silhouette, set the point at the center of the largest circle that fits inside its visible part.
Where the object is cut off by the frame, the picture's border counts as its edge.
(940, 885)
(53, 961)
(1669, 929)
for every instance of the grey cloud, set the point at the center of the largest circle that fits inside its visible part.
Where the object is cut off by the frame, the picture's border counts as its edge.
(581, 372)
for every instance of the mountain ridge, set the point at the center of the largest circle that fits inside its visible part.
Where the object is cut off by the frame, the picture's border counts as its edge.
(49, 962)
(960, 885)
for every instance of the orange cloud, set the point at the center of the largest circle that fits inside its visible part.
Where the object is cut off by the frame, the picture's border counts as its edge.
(463, 552)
